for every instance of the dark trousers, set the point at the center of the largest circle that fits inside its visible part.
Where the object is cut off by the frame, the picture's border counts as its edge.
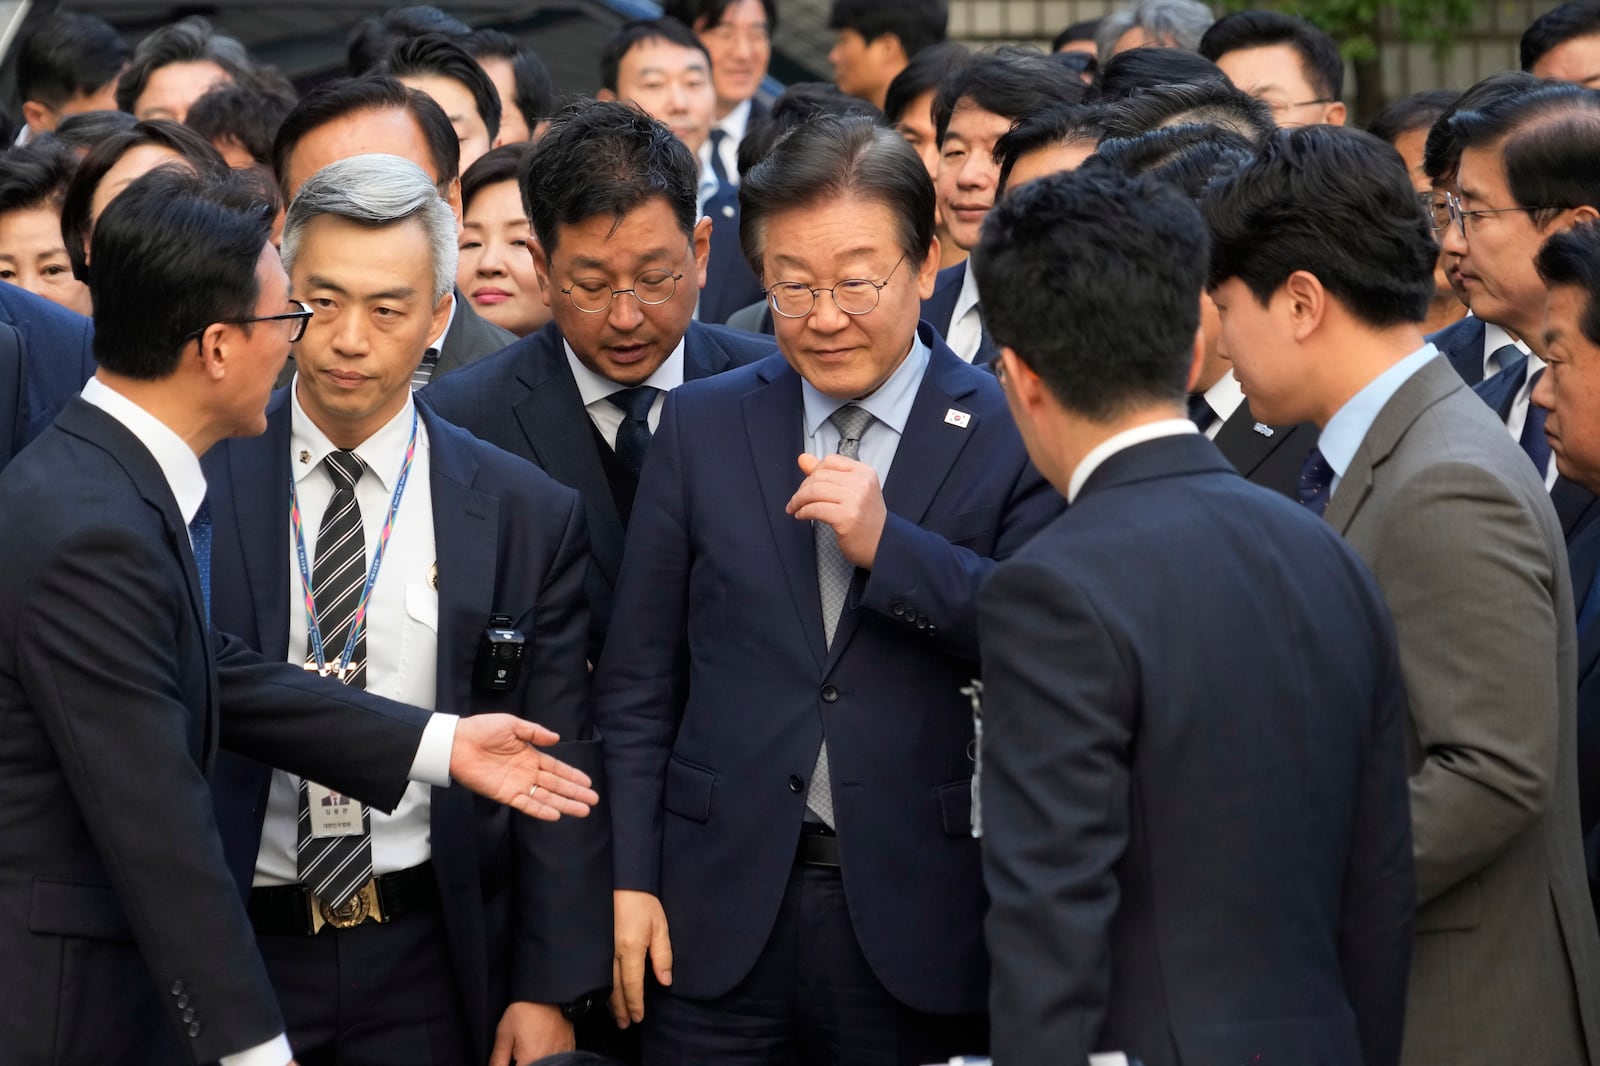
(371, 995)
(810, 1000)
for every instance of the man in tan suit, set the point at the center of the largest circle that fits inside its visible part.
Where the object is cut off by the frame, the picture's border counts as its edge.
(1322, 271)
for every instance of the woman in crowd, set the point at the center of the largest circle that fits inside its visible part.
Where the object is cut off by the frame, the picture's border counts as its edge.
(495, 270)
(33, 184)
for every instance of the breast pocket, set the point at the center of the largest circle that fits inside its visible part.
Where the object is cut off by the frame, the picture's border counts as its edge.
(419, 636)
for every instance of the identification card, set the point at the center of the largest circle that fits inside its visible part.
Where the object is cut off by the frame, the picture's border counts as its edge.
(333, 814)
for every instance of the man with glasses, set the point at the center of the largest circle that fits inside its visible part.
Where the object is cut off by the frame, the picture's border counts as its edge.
(1285, 62)
(789, 754)
(620, 260)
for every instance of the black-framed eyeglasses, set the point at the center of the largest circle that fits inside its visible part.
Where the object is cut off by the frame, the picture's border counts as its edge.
(651, 288)
(853, 296)
(297, 322)
(1459, 214)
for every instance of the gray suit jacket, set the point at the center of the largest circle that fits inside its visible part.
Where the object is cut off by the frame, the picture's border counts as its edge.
(1467, 549)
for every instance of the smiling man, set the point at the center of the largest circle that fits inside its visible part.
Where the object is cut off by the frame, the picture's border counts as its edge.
(795, 619)
(737, 35)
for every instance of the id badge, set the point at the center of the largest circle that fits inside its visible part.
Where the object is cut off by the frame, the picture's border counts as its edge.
(333, 814)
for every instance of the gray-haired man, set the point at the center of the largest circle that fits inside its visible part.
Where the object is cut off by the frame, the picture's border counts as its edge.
(365, 536)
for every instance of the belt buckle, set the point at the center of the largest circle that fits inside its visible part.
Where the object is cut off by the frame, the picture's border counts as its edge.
(360, 907)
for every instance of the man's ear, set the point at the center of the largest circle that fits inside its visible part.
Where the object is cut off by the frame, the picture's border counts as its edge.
(541, 270)
(37, 116)
(216, 348)
(1308, 302)
(1336, 114)
(605, 94)
(1197, 359)
(441, 314)
(702, 249)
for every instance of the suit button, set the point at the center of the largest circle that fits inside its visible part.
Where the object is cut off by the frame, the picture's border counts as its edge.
(830, 694)
(188, 1015)
(194, 1029)
(177, 988)
(922, 623)
(897, 608)
(795, 783)
(911, 616)
(183, 1001)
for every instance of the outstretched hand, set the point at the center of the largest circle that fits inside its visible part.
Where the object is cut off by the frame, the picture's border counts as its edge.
(496, 755)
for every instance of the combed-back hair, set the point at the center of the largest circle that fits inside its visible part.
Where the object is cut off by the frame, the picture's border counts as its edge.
(1010, 82)
(1319, 53)
(248, 115)
(174, 253)
(189, 40)
(702, 15)
(1336, 203)
(1061, 124)
(604, 157)
(68, 54)
(36, 176)
(915, 23)
(86, 129)
(375, 36)
(922, 74)
(1207, 103)
(1096, 238)
(340, 99)
(437, 55)
(1441, 152)
(1553, 163)
(619, 44)
(1190, 156)
(533, 87)
(1137, 70)
(1576, 18)
(1179, 22)
(1077, 31)
(1572, 257)
(830, 158)
(1419, 111)
(799, 104)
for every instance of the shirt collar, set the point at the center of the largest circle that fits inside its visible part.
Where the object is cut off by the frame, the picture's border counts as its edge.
(1166, 427)
(1349, 425)
(1225, 396)
(890, 403)
(384, 453)
(437, 344)
(967, 299)
(180, 467)
(734, 122)
(595, 387)
(707, 189)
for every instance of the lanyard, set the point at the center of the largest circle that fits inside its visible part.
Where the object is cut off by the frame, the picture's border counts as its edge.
(319, 655)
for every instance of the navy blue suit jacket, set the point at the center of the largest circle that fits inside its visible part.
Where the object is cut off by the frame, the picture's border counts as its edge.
(1195, 810)
(730, 283)
(1462, 344)
(938, 308)
(716, 686)
(1574, 504)
(524, 400)
(57, 357)
(525, 902)
(1583, 553)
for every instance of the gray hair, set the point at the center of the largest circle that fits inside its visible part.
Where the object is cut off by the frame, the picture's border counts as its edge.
(1183, 22)
(377, 190)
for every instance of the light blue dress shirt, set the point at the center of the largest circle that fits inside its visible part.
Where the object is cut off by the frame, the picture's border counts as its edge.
(1345, 431)
(889, 405)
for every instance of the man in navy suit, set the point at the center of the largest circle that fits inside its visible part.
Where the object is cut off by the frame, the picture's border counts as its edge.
(506, 920)
(54, 357)
(1152, 723)
(123, 935)
(787, 746)
(621, 257)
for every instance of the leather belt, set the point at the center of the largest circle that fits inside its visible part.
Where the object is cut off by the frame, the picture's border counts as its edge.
(819, 846)
(294, 910)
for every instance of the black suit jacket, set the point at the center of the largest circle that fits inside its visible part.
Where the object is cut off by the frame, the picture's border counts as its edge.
(1271, 459)
(13, 395)
(123, 935)
(525, 907)
(938, 308)
(730, 283)
(56, 353)
(525, 401)
(1462, 344)
(1195, 812)
(1583, 553)
(469, 338)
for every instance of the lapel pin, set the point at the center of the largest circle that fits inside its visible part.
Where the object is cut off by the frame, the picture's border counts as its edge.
(959, 419)
(433, 576)
(1264, 429)
(305, 456)
(727, 211)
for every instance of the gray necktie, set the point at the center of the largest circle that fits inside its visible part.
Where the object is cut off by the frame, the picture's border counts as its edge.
(834, 574)
(1503, 358)
(424, 371)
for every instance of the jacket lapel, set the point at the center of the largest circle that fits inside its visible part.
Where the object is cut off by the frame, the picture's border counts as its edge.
(1245, 446)
(468, 339)
(467, 520)
(263, 532)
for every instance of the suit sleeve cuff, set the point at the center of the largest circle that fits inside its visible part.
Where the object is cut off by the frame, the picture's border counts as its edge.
(432, 764)
(274, 1052)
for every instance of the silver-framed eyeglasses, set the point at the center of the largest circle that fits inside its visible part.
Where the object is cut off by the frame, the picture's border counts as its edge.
(1459, 215)
(853, 296)
(651, 288)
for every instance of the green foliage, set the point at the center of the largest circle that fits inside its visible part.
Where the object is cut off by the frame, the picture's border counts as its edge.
(1355, 24)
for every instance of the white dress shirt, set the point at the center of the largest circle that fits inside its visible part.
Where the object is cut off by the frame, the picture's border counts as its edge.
(178, 462)
(1166, 427)
(1223, 397)
(734, 123)
(966, 324)
(1495, 338)
(607, 416)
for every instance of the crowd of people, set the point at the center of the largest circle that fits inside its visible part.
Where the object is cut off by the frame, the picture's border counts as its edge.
(1023, 554)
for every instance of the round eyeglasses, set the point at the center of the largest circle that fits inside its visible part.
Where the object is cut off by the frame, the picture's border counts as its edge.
(651, 288)
(853, 296)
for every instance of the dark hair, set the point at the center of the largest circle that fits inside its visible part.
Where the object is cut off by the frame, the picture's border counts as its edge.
(798, 105)
(575, 1058)
(834, 156)
(1337, 203)
(1131, 72)
(1060, 124)
(1320, 60)
(1419, 111)
(604, 157)
(435, 55)
(915, 23)
(638, 31)
(1209, 103)
(189, 40)
(1441, 152)
(82, 131)
(374, 37)
(533, 88)
(36, 176)
(501, 164)
(1134, 249)
(926, 69)
(174, 253)
(1188, 156)
(68, 54)
(247, 115)
(1009, 82)
(1550, 163)
(1078, 31)
(75, 209)
(1572, 257)
(340, 99)
(1576, 18)
(702, 15)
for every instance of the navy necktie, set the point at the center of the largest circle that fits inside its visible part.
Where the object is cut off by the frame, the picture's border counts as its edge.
(200, 540)
(1316, 483)
(717, 166)
(1533, 440)
(1503, 358)
(1200, 412)
(633, 436)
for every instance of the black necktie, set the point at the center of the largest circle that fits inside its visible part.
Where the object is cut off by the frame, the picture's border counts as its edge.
(717, 167)
(1200, 412)
(1316, 482)
(200, 540)
(633, 436)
